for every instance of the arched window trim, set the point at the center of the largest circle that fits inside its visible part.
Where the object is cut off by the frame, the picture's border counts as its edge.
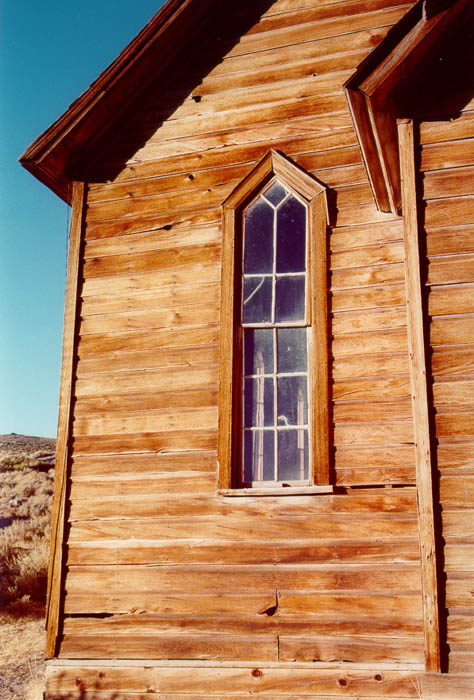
(303, 186)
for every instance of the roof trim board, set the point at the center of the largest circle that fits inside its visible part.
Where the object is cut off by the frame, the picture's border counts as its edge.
(50, 156)
(375, 89)
(372, 93)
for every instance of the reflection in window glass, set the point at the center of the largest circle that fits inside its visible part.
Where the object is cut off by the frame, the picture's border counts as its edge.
(257, 300)
(259, 455)
(258, 236)
(275, 411)
(275, 193)
(291, 352)
(258, 351)
(291, 237)
(258, 402)
(292, 455)
(292, 400)
(290, 298)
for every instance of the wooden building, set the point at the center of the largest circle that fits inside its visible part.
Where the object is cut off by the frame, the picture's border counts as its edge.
(265, 467)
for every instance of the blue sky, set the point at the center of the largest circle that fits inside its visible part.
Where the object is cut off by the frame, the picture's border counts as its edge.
(49, 54)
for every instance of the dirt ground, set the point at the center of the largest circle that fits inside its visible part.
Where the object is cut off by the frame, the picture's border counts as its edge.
(22, 664)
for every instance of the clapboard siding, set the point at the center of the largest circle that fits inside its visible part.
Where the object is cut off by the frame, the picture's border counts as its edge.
(230, 529)
(265, 680)
(236, 146)
(447, 163)
(288, 579)
(277, 551)
(135, 554)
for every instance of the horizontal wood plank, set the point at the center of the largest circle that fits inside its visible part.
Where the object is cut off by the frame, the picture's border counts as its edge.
(173, 440)
(372, 365)
(151, 260)
(367, 298)
(398, 501)
(105, 343)
(350, 649)
(357, 457)
(453, 154)
(159, 358)
(155, 280)
(382, 578)
(450, 240)
(229, 528)
(142, 464)
(372, 388)
(162, 646)
(371, 342)
(274, 682)
(128, 381)
(276, 551)
(318, 625)
(368, 320)
(145, 401)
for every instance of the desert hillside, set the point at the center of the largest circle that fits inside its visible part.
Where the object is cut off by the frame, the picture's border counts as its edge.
(26, 486)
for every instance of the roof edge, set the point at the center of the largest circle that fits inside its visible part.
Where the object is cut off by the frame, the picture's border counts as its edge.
(49, 157)
(372, 92)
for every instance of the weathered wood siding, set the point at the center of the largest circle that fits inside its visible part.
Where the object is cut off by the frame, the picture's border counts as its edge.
(126, 681)
(447, 166)
(159, 566)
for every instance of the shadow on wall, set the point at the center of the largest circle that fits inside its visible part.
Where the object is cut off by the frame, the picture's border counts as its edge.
(168, 91)
(441, 91)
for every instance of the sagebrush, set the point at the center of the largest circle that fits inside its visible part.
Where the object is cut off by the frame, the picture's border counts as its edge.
(26, 487)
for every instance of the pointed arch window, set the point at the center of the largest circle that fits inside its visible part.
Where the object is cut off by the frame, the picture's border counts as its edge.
(273, 396)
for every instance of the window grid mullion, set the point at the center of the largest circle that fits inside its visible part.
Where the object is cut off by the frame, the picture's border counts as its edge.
(275, 366)
(270, 375)
(303, 428)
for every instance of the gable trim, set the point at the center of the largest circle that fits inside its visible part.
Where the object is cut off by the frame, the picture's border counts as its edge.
(58, 515)
(373, 93)
(51, 156)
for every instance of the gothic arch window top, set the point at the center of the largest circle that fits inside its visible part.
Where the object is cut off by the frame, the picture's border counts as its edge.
(273, 395)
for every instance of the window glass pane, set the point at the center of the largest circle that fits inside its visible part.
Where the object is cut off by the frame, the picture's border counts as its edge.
(258, 403)
(259, 455)
(291, 353)
(257, 299)
(291, 237)
(258, 349)
(275, 193)
(290, 298)
(258, 237)
(292, 454)
(292, 401)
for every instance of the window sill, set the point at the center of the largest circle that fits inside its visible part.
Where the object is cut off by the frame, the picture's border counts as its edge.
(278, 491)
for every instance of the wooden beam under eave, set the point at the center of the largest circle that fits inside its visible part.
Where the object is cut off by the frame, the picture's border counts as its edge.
(363, 119)
(79, 135)
(377, 90)
(55, 573)
(420, 403)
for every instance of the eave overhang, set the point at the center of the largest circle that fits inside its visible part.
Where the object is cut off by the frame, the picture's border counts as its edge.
(376, 91)
(52, 157)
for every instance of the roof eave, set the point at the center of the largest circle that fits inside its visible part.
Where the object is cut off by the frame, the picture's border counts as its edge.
(51, 157)
(373, 89)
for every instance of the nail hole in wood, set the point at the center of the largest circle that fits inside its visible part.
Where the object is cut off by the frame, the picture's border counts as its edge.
(270, 611)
